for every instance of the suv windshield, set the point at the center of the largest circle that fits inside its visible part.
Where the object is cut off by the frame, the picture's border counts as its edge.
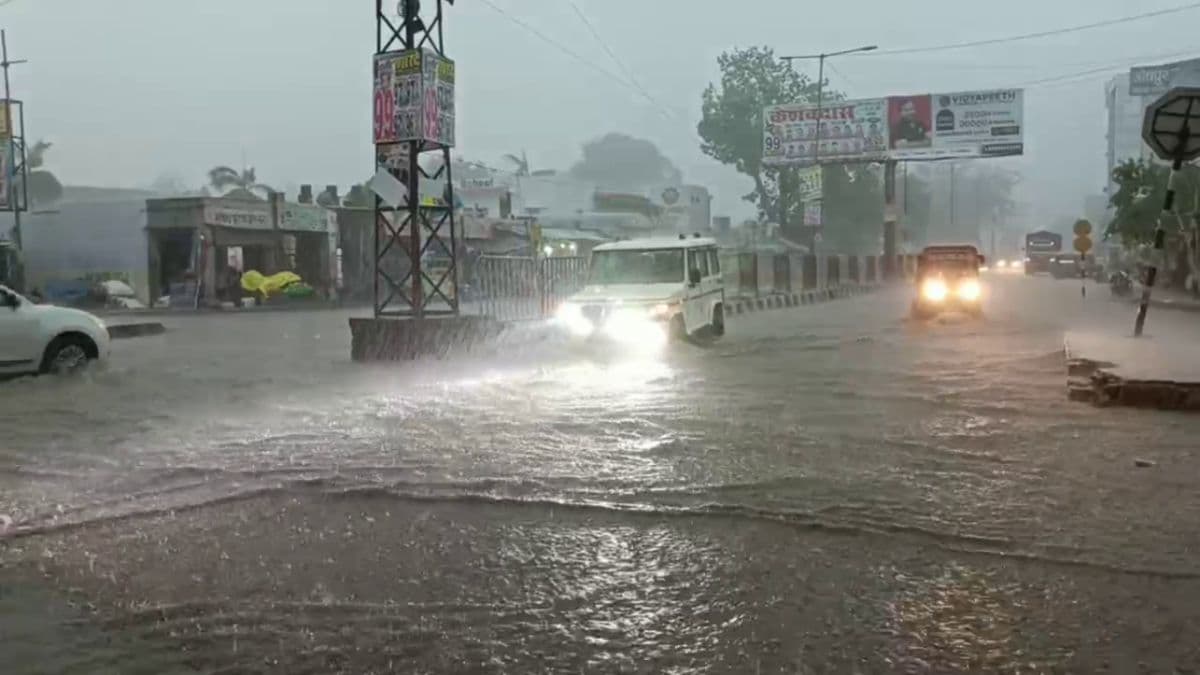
(660, 266)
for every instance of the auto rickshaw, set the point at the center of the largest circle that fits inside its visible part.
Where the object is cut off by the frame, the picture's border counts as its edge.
(948, 281)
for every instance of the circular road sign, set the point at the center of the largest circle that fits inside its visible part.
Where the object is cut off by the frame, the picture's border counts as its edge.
(1083, 243)
(1171, 126)
(1082, 227)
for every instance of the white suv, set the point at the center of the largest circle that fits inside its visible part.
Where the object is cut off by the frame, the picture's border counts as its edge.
(646, 291)
(45, 338)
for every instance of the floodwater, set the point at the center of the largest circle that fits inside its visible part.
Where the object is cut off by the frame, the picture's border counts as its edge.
(830, 489)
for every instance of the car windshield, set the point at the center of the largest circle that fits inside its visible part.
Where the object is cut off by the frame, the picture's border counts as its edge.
(654, 266)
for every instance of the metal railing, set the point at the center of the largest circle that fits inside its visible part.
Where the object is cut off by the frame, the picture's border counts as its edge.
(513, 288)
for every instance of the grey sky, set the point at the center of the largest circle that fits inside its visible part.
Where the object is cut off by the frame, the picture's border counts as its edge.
(132, 89)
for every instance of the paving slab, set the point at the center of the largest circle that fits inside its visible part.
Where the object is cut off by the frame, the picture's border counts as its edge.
(1147, 372)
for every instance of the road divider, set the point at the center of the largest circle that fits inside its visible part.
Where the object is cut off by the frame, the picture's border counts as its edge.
(1107, 370)
(785, 300)
(136, 329)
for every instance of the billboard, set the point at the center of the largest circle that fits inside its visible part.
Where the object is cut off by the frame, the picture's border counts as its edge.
(987, 123)
(414, 97)
(1156, 80)
(851, 131)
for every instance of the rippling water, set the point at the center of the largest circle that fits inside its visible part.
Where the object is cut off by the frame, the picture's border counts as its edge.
(831, 489)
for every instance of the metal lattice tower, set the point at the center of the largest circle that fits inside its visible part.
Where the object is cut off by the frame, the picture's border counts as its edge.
(405, 234)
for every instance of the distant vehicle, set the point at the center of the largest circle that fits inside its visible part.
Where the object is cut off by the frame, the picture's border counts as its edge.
(1067, 266)
(47, 338)
(1040, 247)
(948, 280)
(1005, 265)
(644, 292)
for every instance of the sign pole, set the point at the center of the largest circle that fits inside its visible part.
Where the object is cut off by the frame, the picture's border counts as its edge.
(1167, 129)
(1160, 237)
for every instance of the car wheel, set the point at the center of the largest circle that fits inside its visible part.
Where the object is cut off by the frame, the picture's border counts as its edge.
(718, 321)
(68, 354)
(677, 330)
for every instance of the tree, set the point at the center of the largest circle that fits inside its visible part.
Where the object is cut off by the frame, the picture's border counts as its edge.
(226, 179)
(44, 187)
(731, 126)
(1137, 202)
(620, 162)
(852, 210)
(521, 163)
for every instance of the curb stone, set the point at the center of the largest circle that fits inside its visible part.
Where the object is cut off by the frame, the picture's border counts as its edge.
(1090, 381)
(130, 330)
(787, 300)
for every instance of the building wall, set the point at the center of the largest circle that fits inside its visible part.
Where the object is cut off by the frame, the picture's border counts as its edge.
(81, 240)
(1124, 122)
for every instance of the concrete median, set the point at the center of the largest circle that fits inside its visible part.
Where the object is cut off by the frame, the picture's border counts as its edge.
(1113, 370)
(135, 329)
(784, 300)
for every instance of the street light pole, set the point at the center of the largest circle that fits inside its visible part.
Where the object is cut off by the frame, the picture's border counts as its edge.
(821, 86)
(821, 100)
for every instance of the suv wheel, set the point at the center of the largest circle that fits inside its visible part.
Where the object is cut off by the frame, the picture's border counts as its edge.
(718, 321)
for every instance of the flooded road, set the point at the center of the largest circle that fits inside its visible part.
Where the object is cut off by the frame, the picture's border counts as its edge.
(830, 489)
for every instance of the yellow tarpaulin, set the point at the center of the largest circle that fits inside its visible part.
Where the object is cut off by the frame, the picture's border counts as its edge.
(254, 282)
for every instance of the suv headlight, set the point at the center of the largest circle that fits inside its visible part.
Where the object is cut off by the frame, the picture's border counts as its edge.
(571, 315)
(969, 290)
(934, 290)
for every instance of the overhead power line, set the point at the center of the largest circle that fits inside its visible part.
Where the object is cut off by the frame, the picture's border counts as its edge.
(575, 55)
(1099, 70)
(1039, 34)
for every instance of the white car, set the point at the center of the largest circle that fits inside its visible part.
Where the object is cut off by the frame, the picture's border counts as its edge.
(647, 291)
(45, 338)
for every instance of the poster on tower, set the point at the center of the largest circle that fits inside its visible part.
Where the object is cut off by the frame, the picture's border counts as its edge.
(414, 97)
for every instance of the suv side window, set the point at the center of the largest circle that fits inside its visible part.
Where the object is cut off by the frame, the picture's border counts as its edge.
(699, 261)
(714, 262)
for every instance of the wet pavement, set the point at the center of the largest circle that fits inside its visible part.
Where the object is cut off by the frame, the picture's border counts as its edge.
(832, 488)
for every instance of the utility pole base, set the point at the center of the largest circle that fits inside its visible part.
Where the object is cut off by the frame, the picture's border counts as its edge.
(385, 339)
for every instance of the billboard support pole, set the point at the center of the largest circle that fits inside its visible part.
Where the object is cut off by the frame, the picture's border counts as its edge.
(889, 219)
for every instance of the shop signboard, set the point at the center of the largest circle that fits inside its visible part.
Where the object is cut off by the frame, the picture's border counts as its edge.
(1157, 80)
(962, 124)
(851, 131)
(414, 97)
(243, 218)
(5, 175)
(308, 218)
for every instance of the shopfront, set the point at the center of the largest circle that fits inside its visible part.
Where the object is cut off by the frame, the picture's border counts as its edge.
(199, 247)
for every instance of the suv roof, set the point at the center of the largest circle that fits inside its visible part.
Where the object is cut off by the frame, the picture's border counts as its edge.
(658, 243)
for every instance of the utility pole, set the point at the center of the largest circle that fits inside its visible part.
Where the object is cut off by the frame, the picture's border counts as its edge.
(820, 97)
(9, 183)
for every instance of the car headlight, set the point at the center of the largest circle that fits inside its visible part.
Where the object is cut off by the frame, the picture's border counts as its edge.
(969, 290)
(934, 290)
(571, 315)
(1001, 263)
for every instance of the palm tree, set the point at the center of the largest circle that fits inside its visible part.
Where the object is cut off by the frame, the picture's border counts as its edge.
(227, 180)
(43, 185)
(522, 163)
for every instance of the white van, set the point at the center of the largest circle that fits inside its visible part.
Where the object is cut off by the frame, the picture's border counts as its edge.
(646, 291)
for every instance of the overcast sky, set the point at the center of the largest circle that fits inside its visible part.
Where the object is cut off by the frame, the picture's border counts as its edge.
(130, 90)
